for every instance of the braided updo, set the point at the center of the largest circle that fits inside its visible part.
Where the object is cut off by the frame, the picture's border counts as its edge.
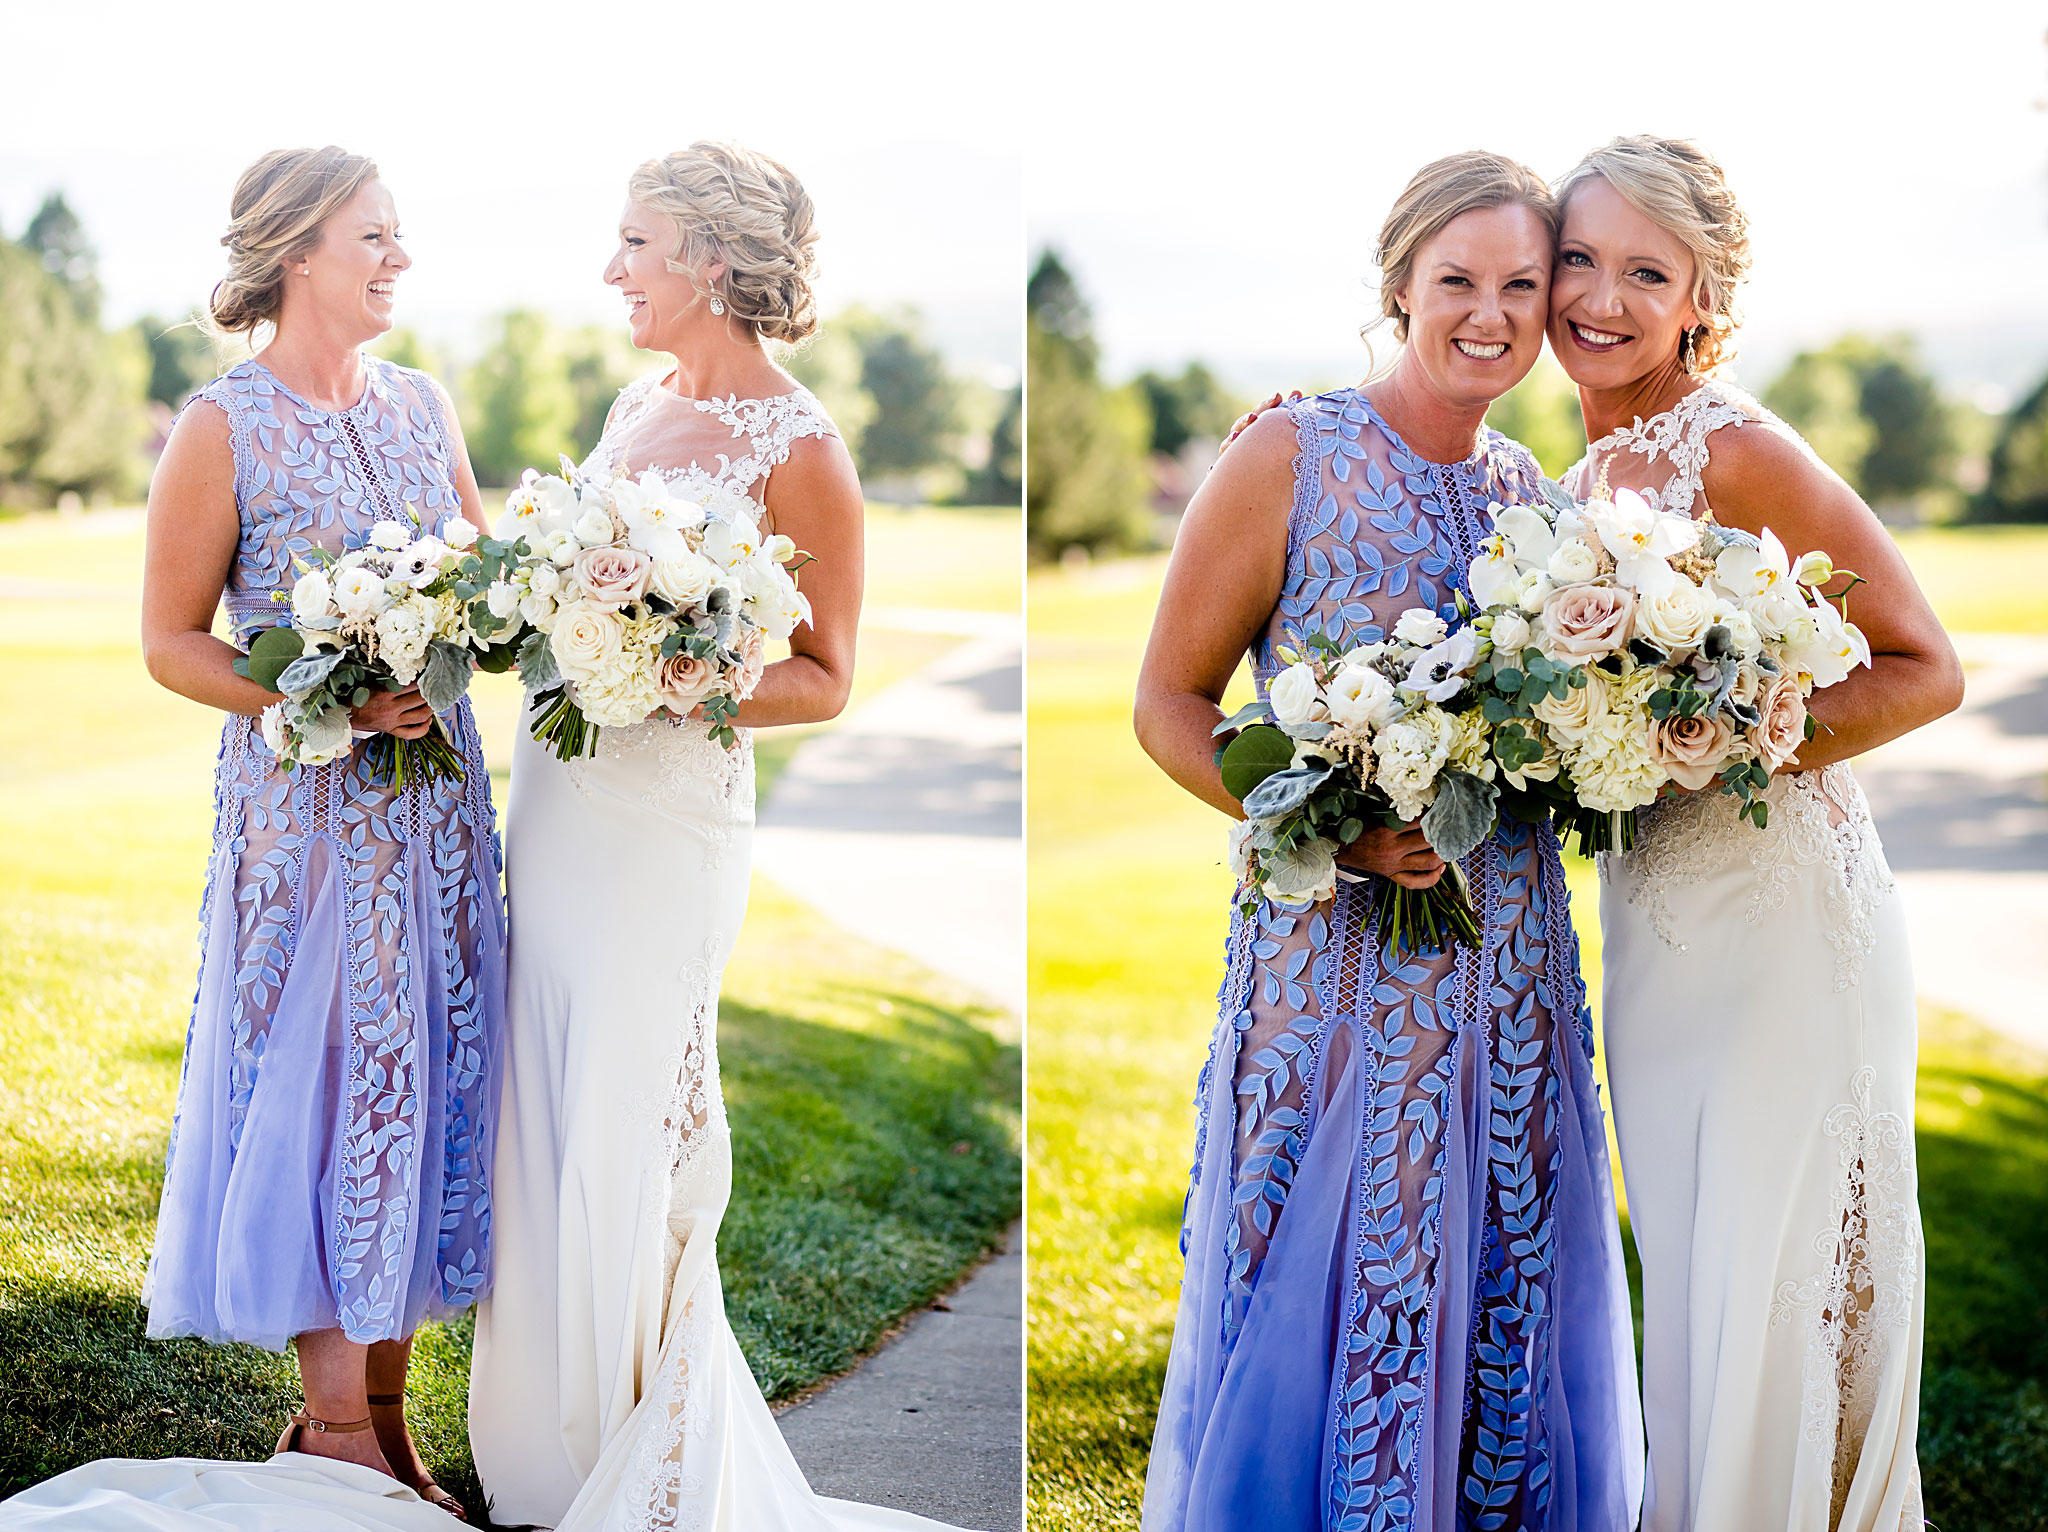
(732, 205)
(279, 204)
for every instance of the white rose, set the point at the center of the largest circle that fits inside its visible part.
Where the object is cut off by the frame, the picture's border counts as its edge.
(563, 548)
(390, 536)
(1777, 611)
(593, 528)
(273, 727)
(502, 598)
(536, 611)
(1536, 589)
(1573, 562)
(459, 532)
(1421, 627)
(310, 595)
(1292, 694)
(685, 580)
(543, 579)
(1742, 633)
(1676, 618)
(1362, 698)
(1578, 711)
(1510, 633)
(359, 592)
(584, 640)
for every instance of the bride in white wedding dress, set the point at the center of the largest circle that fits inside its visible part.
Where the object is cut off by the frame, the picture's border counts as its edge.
(606, 1389)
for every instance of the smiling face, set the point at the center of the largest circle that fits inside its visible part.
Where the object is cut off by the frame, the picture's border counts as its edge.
(1622, 296)
(349, 276)
(661, 305)
(1476, 299)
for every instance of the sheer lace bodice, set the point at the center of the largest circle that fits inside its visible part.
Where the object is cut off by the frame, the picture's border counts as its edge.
(733, 443)
(1817, 817)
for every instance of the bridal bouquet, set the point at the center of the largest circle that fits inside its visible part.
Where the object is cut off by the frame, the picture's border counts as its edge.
(644, 594)
(1687, 651)
(407, 607)
(1393, 732)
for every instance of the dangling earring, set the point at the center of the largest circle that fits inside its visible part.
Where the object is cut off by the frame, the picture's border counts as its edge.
(1688, 350)
(717, 305)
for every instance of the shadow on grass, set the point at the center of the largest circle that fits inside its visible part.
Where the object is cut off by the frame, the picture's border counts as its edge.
(872, 1167)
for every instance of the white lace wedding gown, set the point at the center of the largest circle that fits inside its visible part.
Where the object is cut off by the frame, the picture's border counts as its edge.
(606, 1390)
(1759, 1020)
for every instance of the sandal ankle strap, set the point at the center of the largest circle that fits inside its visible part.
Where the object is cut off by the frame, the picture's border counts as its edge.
(340, 1427)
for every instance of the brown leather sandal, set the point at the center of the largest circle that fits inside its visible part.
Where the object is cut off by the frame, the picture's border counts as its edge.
(301, 1421)
(430, 1492)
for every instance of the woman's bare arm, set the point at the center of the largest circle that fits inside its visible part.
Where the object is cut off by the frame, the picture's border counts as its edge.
(465, 476)
(1228, 565)
(815, 500)
(1762, 476)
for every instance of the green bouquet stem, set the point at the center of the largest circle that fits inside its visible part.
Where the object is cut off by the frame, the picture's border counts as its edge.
(1598, 831)
(1424, 920)
(560, 723)
(399, 763)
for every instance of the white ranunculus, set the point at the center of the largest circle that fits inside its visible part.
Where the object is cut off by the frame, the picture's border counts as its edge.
(543, 579)
(273, 727)
(563, 548)
(502, 598)
(459, 532)
(584, 639)
(593, 527)
(1510, 633)
(310, 595)
(1536, 590)
(686, 579)
(1494, 578)
(1676, 618)
(731, 543)
(1360, 697)
(1573, 562)
(1421, 627)
(1292, 694)
(390, 536)
(537, 611)
(359, 592)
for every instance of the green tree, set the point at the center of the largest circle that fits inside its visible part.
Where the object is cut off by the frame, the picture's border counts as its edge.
(1000, 481)
(829, 365)
(1086, 481)
(597, 362)
(518, 410)
(1907, 439)
(58, 240)
(1542, 413)
(916, 402)
(1191, 407)
(2016, 488)
(181, 358)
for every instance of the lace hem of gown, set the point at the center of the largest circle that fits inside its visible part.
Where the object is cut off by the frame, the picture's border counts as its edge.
(1857, 1310)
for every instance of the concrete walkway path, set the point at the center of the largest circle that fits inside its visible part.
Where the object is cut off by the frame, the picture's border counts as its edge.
(1962, 806)
(904, 825)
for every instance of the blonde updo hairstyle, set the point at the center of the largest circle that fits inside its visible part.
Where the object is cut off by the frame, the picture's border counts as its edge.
(1682, 189)
(732, 205)
(1439, 193)
(276, 214)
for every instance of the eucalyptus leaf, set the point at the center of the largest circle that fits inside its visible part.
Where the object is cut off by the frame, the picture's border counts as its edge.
(1283, 792)
(1306, 731)
(271, 655)
(445, 677)
(302, 675)
(1462, 815)
(1253, 756)
(1251, 712)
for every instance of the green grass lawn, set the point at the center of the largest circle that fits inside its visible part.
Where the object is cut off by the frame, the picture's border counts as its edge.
(873, 1104)
(1128, 911)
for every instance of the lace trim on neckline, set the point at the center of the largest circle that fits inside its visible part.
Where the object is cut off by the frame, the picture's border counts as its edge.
(1679, 436)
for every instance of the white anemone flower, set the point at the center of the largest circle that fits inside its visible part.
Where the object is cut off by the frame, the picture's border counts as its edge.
(1439, 671)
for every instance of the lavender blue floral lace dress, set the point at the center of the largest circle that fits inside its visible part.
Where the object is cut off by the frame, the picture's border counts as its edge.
(330, 1158)
(1403, 1305)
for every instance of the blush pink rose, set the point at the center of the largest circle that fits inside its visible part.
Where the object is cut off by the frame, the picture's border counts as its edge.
(684, 680)
(613, 578)
(1584, 622)
(1690, 750)
(1783, 729)
(753, 660)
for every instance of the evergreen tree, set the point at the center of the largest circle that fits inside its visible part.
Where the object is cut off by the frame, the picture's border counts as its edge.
(1086, 483)
(58, 240)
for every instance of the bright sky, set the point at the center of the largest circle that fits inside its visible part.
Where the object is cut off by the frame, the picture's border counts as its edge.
(506, 132)
(1217, 183)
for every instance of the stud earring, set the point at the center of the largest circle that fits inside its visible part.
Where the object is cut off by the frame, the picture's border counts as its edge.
(717, 304)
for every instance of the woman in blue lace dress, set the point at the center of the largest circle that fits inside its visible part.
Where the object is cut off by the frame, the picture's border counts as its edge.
(1403, 1305)
(327, 1176)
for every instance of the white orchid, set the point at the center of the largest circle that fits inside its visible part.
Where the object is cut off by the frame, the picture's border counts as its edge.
(731, 543)
(1641, 539)
(1748, 572)
(1826, 647)
(1532, 538)
(1495, 577)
